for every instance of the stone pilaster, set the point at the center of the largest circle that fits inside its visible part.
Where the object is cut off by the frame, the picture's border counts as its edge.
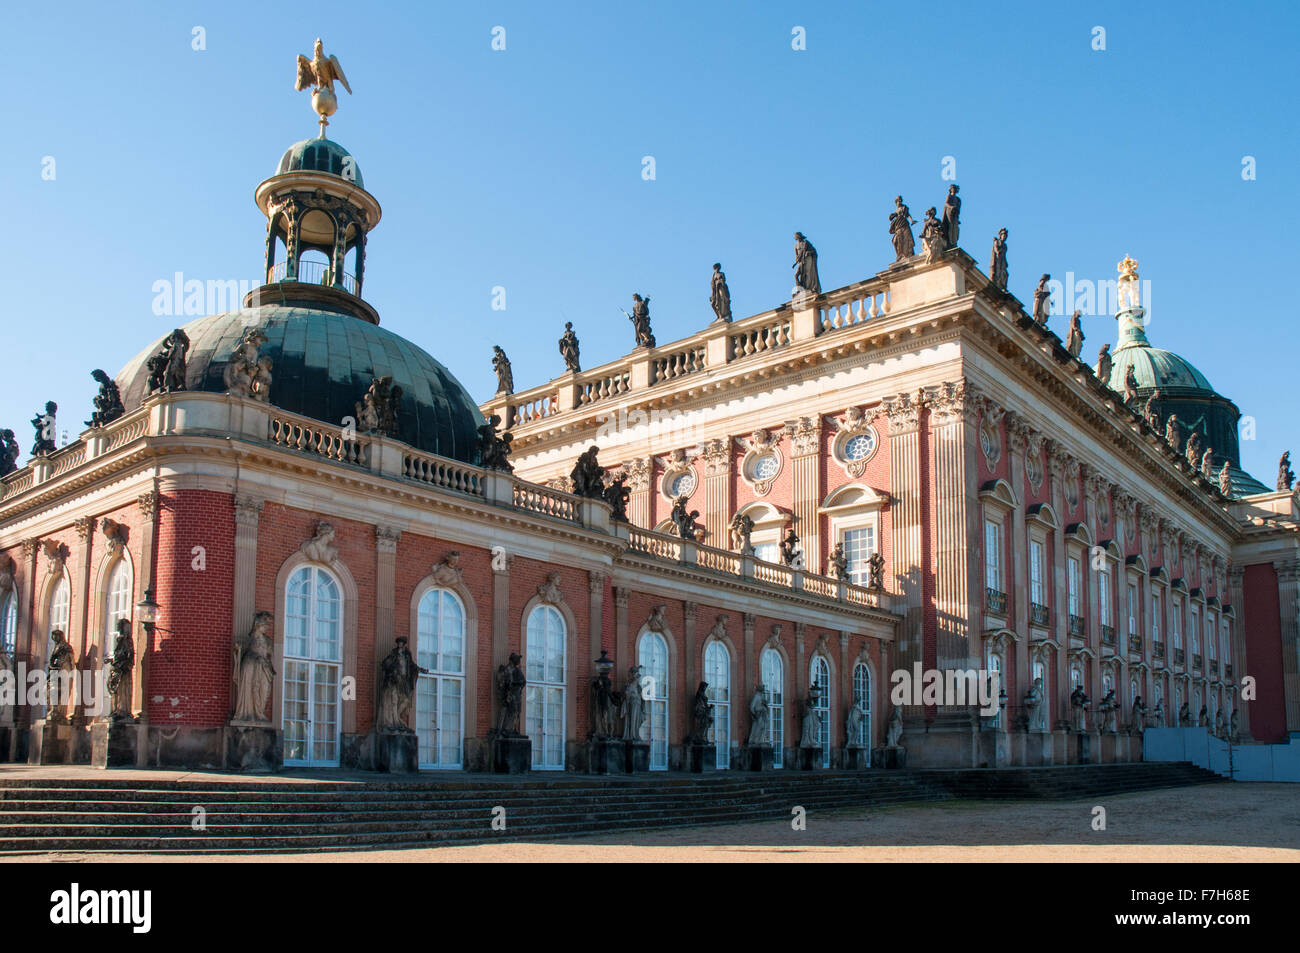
(1236, 595)
(805, 448)
(79, 612)
(953, 424)
(638, 503)
(692, 667)
(1061, 467)
(596, 610)
(1288, 579)
(500, 626)
(386, 539)
(750, 675)
(1021, 440)
(144, 580)
(904, 413)
(248, 511)
(622, 646)
(717, 491)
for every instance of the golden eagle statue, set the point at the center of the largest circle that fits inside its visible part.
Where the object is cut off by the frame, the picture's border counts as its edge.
(319, 73)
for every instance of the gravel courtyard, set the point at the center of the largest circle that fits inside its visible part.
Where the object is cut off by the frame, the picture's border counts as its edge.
(1216, 822)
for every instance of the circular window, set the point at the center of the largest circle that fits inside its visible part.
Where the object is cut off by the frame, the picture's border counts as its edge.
(765, 467)
(859, 447)
(990, 444)
(682, 484)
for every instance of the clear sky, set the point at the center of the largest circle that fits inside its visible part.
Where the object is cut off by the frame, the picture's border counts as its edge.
(522, 168)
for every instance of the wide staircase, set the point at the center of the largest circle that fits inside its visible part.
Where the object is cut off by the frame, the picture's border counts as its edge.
(172, 814)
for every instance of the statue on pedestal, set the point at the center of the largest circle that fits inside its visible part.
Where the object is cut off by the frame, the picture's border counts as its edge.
(494, 448)
(1172, 435)
(758, 717)
(505, 374)
(1130, 385)
(1079, 709)
(569, 349)
(805, 266)
(741, 528)
(1156, 717)
(791, 554)
(1074, 337)
(378, 407)
(894, 732)
(602, 707)
(588, 476)
(247, 373)
(951, 213)
(1149, 410)
(8, 452)
(1137, 718)
(1220, 725)
(1225, 479)
(46, 426)
(1234, 728)
(1042, 301)
(120, 665)
(1285, 475)
(640, 318)
(1034, 705)
(876, 572)
(1207, 464)
(683, 519)
(253, 674)
(1185, 716)
(934, 241)
(900, 230)
(58, 678)
(839, 563)
(812, 719)
(853, 724)
(616, 494)
(1104, 364)
(633, 709)
(1107, 709)
(167, 366)
(399, 674)
(108, 402)
(720, 296)
(1193, 449)
(1203, 717)
(701, 716)
(998, 261)
(510, 695)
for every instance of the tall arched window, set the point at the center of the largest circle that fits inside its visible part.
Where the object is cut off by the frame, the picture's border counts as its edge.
(820, 674)
(440, 696)
(60, 600)
(544, 666)
(773, 670)
(862, 698)
(652, 656)
(717, 672)
(8, 624)
(117, 602)
(313, 653)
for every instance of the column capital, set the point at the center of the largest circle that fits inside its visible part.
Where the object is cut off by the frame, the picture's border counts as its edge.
(248, 509)
(148, 503)
(386, 539)
(85, 526)
(903, 411)
(596, 581)
(954, 402)
(717, 456)
(805, 436)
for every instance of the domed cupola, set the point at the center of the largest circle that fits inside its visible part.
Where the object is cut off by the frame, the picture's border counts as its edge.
(323, 340)
(1183, 389)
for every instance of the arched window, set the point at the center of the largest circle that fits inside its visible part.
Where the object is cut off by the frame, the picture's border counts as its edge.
(717, 672)
(440, 696)
(652, 656)
(544, 667)
(862, 698)
(60, 600)
(8, 624)
(773, 670)
(313, 653)
(117, 602)
(993, 665)
(820, 674)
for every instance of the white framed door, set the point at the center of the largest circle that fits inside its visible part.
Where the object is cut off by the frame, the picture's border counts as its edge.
(313, 652)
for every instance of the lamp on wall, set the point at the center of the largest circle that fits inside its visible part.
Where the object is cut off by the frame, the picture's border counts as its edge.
(147, 611)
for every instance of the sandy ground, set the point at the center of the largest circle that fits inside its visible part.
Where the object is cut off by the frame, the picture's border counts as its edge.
(1219, 822)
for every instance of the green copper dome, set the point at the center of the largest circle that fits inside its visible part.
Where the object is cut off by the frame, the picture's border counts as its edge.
(322, 364)
(321, 155)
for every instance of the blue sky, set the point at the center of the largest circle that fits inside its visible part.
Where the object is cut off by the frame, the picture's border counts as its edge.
(522, 168)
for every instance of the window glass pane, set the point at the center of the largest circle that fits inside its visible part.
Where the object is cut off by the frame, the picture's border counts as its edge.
(8, 624)
(544, 663)
(774, 688)
(859, 544)
(821, 676)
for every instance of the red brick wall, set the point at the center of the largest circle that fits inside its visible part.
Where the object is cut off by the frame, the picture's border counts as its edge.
(1262, 630)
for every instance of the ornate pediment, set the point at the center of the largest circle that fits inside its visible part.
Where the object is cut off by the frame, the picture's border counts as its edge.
(447, 571)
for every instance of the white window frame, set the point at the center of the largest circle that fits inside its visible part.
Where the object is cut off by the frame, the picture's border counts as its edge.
(321, 749)
(1074, 584)
(771, 660)
(434, 625)
(862, 696)
(819, 672)
(1134, 595)
(1037, 570)
(9, 624)
(717, 673)
(118, 590)
(993, 554)
(657, 694)
(549, 689)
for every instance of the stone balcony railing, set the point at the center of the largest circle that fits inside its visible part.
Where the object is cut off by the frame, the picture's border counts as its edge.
(995, 601)
(1214, 666)
(718, 345)
(1107, 634)
(1039, 614)
(1196, 661)
(1135, 644)
(1180, 657)
(1077, 626)
(205, 415)
(1158, 650)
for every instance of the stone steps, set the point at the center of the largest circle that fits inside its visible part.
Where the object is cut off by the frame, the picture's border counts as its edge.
(134, 814)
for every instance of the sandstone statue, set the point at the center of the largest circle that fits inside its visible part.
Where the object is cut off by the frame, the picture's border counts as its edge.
(399, 673)
(805, 266)
(1034, 705)
(900, 230)
(46, 427)
(120, 665)
(58, 676)
(720, 295)
(510, 696)
(811, 736)
(247, 373)
(951, 214)
(701, 716)
(505, 374)
(253, 673)
(998, 261)
(569, 349)
(634, 713)
(894, 731)
(759, 724)
(1042, 301)
(107, 403)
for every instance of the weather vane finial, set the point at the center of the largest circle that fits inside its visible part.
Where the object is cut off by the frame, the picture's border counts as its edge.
(319, 73)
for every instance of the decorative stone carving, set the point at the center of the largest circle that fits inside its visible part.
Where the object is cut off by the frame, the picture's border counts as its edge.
(84, 526)
(505, 374)
(46, 427)
(549, 591)
(934, 242)
(56, 554)
(6, 574)
(120, 664)
(253, 674)
(148, 503)
(810, 736)
(616, 494)
(377, 410)
(248, 510)
(320, 548)
(588, 476)
(8, 452)
(510, 694)
(1225, 479)
(791, 552)
(248, 374)
(640, 318)
(876, 572)
(839, 563)
(717, 456)
(954, 401)
(720, 294)
(638, 473)
(107, 403)
(399, 675)
(494, 448)
(701, 716)
(1104, 364)
(903, 411)
(805, 266)
(58, 676)
(115, 536)
(447, 571)
(658, 621)
(900, 230)
(805, 436)
(951, 214)
(894, 731)
(1285, 475)
(570, 349)
(1074, 337)
(167, 366)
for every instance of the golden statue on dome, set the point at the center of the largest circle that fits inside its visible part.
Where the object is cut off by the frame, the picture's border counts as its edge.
(1128, 284)
(319, 73)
